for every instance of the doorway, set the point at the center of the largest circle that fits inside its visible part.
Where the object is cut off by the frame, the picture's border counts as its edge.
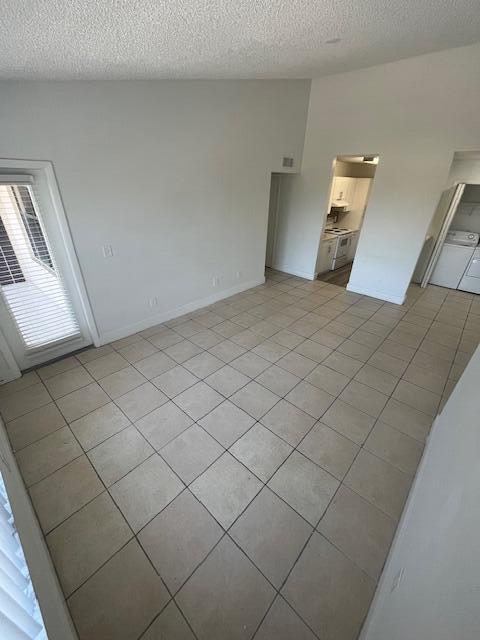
(42, 312)
(350, 189)
(273, 206)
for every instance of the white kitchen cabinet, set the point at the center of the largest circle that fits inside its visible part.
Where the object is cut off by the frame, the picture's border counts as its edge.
(352, 245)
(342, 191)
(327, 248)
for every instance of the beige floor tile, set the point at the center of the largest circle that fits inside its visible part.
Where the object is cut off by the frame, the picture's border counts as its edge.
(272, 535)
(169, 624)
(426, 378)
(364, 398)
(99, 425)
(287, 338)
(282, 623)
(218, 607)
(93, 353)
(165, 338)
(179, 538)
(118, 455)
(394, 447)
(155, 365)
(339, 328)
(198, 400)
(247, 339)
(174, 381)
(343, 364)
(304, 486)
(407, 419)
(226, 488)
(206, 339)
(278, 380)
(191, 453)
(313, 350)
(40, 459)
(34, 425)
(60, 366)
(330, 593)
(64, 492)
(270, 351)
(188, 328)
(389, 364)
(183, 351)
(119, 383)
(366, 338)
(163, 424)
(131, 594)
(25, 381)
(416, 397)
(255, 399)
(288, 422)
(329, 449)
(123, 342)
(226, 423)
(203, 364)
(226, 350)
(437, 350)
(106, 365)
(297, 364)
(310, 399)
(349, 421)
(81, 544)
(137, 351)
(145, 491)
(250, 364)
(377, 379)
(137, 403)
(355, 350)
(227, 380)
(261, 451)
(360, 530)
(327, 379)
(378, 482)
(327, 338)
(400, 351)
(227, 329)
(79, 403)
(23, 401)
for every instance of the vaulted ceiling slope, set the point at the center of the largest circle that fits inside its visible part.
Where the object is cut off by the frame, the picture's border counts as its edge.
(76, 39)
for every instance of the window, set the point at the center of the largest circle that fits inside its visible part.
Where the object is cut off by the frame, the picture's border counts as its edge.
(32, 226)
(10, 270)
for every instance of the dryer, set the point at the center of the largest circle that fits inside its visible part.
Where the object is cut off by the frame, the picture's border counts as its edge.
(471, 279)
(454, 258)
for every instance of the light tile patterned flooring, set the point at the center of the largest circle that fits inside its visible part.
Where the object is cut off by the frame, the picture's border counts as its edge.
(238, 472)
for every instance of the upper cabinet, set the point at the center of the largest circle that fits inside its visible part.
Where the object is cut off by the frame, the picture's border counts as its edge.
(342, 192)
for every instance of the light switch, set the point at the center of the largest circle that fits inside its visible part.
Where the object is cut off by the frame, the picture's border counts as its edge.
(107, 251)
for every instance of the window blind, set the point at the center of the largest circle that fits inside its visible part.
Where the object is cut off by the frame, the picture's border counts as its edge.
(20, 617)
(31, 284)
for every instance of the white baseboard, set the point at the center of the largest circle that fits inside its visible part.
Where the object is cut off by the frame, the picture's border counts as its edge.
(294, 272)
(109, 336)
(372, 293)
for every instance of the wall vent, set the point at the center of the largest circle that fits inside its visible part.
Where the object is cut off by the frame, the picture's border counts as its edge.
(287, 162)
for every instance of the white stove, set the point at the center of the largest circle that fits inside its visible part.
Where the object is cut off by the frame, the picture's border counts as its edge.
(340, 253)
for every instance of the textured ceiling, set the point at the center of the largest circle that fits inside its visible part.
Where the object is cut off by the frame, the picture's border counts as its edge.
(72, 39)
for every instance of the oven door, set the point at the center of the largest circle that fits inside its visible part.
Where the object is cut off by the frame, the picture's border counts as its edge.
(343, 243)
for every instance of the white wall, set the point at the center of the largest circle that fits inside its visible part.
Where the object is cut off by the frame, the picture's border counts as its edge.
(415, 114)
(175, 176)
(467, 215)
(438, 544)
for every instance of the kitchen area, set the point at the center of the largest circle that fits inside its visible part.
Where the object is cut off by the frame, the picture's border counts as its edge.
(350, 190)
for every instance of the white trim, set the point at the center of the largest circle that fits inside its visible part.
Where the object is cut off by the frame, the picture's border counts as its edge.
(56, 616)
(295, 272)
(380, 295)
(123, 332)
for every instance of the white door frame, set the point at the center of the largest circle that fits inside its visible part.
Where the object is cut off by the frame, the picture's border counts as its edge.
(58, 232)
(447, 221)
(272, 222)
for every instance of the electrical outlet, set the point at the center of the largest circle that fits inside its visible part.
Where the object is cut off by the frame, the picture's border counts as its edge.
(215, 281)
(107, 251)
(238, 275)
(152, 302)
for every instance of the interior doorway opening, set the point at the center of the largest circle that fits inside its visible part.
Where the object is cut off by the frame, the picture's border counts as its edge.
(450, 255)
(350, 189)
(273, 212)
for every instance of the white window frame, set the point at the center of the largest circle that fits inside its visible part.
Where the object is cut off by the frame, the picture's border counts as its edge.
(58, 232)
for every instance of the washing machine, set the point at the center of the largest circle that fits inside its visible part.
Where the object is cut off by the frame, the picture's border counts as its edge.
(471, 278)
(455, 257)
